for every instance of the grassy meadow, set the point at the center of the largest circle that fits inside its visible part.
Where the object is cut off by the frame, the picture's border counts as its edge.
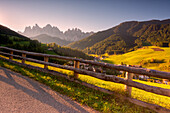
(146, 56)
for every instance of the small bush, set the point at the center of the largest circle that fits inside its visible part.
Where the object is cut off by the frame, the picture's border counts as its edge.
(145, 62)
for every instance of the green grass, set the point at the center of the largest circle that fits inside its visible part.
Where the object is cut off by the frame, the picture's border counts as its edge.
(22, 43)
(51, 52)
(98, 100)
(119, 88)
(143, 55)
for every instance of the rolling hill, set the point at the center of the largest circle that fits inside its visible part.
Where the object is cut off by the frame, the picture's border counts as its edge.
(125, 37)
(43, 38)
(148, 57)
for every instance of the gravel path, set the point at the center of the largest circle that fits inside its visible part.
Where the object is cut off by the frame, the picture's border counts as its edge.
(21, 94)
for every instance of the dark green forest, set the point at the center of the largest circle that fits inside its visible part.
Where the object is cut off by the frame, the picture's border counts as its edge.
(65, 51)
(127, 36)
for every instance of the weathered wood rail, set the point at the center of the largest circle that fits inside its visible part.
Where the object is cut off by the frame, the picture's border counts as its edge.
(127, 81)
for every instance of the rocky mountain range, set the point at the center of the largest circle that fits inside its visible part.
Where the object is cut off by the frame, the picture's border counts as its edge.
(69, 35)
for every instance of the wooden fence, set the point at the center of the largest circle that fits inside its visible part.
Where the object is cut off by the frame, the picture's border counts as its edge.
(127, 81)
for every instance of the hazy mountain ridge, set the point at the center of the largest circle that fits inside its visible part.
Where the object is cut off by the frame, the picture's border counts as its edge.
(69, 35)
(126, 37)
(43, 39)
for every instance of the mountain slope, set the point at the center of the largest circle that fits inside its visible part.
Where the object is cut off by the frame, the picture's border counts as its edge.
(43, 38)
(91, 40)
(126, 37)
(6, 31)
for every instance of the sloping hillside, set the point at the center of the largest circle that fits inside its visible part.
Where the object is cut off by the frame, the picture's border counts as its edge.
(131, 35)
(91, 40)
(148, 56)
(6, 31)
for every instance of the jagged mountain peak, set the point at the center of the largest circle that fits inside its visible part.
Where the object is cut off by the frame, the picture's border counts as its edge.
(74, 34)
(48, 26)
(27, 28)
(36, 26)
(73, 30)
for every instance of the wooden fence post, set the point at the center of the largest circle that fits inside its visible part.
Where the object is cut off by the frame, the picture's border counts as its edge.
(11, 57)
(23, 60)
(45, 60)
(76, 65)
(128, 76)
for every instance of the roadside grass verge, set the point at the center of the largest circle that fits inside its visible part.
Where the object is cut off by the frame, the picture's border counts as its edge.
(100, 101)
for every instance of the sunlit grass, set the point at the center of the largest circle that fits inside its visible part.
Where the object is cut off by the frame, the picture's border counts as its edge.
(136, 93)
(98, 100)
(119, 88)
(136, 57)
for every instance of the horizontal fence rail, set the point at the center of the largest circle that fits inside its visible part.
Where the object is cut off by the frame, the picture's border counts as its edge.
(113, 78)
(128, 81)
(143, 71)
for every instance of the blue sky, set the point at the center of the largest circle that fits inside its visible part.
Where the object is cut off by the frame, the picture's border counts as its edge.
(88, 15)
